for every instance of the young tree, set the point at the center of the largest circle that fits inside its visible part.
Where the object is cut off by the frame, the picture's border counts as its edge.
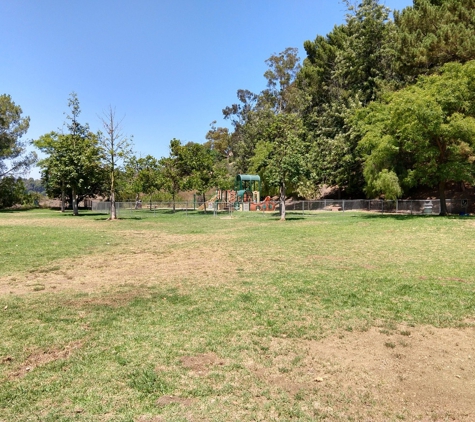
(116, 148)
(52, 169)
(280, 154)
(129, 179)
(423, 134)
(171, 177)
(148, 176)
(13, 156)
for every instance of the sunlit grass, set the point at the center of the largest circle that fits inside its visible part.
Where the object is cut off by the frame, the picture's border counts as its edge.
(111, 354)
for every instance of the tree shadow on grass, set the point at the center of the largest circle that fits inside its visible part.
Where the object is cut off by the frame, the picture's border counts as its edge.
(106, 218)
(19, 210)
(91, 214)
(406, 217)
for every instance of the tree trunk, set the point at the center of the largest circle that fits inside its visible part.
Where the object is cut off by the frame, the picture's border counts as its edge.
(74, 201)
(113, 213)
(443, 204)
(173, 199)
(204, 202)
(282, 201)
(63, 198)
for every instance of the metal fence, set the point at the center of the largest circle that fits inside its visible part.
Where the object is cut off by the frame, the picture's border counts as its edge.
(415, 206)
(300, 207)
(129, 208)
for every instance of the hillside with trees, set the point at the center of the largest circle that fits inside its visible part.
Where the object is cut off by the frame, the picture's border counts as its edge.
(381, 105)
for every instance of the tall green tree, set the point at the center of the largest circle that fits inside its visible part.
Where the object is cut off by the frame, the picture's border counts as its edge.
(242, 140)
(343, 71)
(433, 32)
(72, 167)
(14, 158)
(269, 127)
(281, 94)
(280, 149)
(73, 159)
(423, 134)
(219, 139)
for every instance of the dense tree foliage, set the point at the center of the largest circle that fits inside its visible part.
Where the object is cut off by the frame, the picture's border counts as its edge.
(434, 32)
(361, 68)
(34, 185)
(423, 134)
(73, 163)
(199, 167)
(280, 154)
(13, 157)
(12, 191)
(342, 72)
(171, 177)
(148, 176)
(376, 107)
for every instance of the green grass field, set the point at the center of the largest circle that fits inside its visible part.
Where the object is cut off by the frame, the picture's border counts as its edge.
(192, 317)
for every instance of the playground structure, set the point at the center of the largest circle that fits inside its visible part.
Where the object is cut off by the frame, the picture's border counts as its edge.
(246, 195)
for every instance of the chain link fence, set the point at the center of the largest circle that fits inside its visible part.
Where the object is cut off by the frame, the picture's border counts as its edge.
(411, 207)
(124, 209)
(415, 206)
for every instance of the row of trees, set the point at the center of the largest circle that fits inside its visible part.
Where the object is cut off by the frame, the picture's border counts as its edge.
(80, 163)
(378, 107)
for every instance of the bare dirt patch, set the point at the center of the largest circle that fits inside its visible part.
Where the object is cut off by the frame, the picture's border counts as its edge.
(166, 400)
(201, 364)
(41, 357)
(411, 373)
(142, 259)
(326, 258)
(22, 219)
(150, 419)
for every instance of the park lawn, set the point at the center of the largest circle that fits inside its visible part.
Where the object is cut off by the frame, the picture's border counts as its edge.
(177, 317)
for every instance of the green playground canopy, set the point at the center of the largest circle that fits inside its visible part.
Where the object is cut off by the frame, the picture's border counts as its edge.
(249, 182)
(248, 177)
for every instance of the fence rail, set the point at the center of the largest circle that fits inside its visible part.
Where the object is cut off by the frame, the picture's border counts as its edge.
(415, 206)
(300, 207)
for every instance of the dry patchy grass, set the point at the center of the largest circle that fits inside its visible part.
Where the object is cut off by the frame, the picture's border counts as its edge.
(253, 320)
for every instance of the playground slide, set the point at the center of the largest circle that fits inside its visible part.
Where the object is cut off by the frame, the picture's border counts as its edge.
(212, 199)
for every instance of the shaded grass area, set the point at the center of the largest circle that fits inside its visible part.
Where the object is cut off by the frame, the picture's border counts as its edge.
(112, 354)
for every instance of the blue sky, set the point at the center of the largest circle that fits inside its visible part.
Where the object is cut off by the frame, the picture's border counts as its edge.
(167, 66)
